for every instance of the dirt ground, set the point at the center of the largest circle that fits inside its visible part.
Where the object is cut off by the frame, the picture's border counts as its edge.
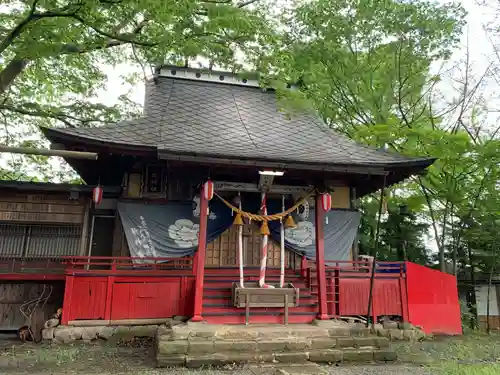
(419, 358)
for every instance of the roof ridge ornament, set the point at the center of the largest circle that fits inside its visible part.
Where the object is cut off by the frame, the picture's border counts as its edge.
(204, 75)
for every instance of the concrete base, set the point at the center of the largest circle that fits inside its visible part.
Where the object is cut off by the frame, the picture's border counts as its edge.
(197, 345)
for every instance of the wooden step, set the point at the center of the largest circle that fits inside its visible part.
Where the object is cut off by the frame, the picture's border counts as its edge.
(223, 290)
(217, 297)
(229, 306)
(261, 318)
(251, 274)
(225, 285)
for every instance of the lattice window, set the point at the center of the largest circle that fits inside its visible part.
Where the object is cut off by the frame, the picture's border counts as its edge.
(39, 241)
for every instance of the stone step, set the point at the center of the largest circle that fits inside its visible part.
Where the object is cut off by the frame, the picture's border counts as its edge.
(259, 332)
(205, 345)
(198, 344)
(354, 356)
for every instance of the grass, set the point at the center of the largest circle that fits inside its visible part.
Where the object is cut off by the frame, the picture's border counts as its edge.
(458, 369)
(472, 354)
(471, 349)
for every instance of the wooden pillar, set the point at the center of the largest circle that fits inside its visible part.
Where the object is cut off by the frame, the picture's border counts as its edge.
(84, 244)
(200, 259)
(355, 245)
(320, 259)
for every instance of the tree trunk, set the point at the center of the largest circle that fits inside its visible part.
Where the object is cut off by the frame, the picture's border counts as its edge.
(13, 69)
(473, 283)
(442, 248)
(454, 244)
(434, 224)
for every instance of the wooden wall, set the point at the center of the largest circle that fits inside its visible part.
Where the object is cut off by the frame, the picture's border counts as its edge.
(14, 295)
(41, 208)
(493, 320)
(223, 251)
(42, 224)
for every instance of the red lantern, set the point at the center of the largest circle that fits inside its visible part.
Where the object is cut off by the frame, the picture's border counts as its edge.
(208, 190)
(97, 195)
(326, 202)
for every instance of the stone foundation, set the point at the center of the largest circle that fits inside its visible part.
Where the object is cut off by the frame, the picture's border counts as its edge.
(177, 330)
(399, 332)
(70, 333)
(67, 334)
(197, 344)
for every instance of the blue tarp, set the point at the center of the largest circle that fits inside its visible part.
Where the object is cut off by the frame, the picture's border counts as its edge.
(171, 229)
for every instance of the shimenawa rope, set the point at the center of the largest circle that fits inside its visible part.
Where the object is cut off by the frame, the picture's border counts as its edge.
(261, 218)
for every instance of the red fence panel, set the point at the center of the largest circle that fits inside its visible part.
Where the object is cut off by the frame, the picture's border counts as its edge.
(348, 288)
(117, 298)
(117, 288)
(151, 299)
(433, 302)
(88, 296)
(354, 294)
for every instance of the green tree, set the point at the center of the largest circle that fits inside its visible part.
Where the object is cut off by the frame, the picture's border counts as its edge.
(402, 234)
(365, 62)
(53, 53)
(366, 67)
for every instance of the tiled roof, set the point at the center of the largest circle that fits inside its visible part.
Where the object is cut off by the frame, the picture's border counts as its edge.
(230, 121)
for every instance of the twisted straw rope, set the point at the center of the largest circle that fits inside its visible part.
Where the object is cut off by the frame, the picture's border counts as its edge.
(261, 218)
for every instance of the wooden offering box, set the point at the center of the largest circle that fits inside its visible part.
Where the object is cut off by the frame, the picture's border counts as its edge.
(252, 295)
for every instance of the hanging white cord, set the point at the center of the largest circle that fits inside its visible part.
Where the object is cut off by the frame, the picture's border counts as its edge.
(240, 249)
(282, 243)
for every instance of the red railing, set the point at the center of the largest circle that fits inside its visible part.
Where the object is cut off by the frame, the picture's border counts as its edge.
(348, 283)
(120, 265)
(42, 267)
(31, 265)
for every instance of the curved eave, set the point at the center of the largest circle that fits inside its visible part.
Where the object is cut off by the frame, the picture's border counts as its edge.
(370, 168)
(395, 171)
(86, 190)
(60, 136)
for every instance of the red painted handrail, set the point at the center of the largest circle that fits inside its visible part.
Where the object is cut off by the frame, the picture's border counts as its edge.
(360, 265)
(39, 265)
(117, 265)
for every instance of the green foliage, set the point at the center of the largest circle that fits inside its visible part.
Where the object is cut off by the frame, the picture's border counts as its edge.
(365, 66)
(401, 234)
(53, 54)
(364, 62)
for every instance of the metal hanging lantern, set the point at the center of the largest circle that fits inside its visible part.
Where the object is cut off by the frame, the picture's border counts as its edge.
(303, 211)
(326, 202)
(208, 190)
(97, 195)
